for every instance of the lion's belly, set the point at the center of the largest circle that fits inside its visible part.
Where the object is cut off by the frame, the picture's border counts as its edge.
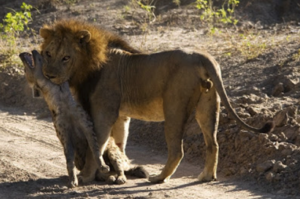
(151, 111)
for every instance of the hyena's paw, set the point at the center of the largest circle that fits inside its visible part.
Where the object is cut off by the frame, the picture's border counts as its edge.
(104, 169)
(121, 179)
(111, 179)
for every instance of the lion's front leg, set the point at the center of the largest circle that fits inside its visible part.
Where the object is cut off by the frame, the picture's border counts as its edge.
(103, 122)
(120, 132)
(87, 174)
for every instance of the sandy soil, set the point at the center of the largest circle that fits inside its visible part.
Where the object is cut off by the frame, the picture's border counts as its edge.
(33, 166)
(261, 88)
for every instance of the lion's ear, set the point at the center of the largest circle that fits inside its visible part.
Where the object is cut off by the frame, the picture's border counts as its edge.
(84, 36)
(46, 32)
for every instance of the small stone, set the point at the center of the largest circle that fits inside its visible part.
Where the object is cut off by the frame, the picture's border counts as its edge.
(270, 176)
(278, 167)
(252, 111)
(273, 137)
(292, 132)
(282, 137)
(243, 170)
(278, 90)
(280, 118)
(263, 138)
(286, 148)
(262, 167)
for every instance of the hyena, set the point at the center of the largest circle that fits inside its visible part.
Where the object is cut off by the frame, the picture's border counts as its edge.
(74, 127)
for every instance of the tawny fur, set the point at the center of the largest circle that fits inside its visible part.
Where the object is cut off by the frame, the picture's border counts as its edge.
(116, 83)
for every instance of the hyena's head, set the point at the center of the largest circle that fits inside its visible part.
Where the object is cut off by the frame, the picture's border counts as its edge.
(33, 70)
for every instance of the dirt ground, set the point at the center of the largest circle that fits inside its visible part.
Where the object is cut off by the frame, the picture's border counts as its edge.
(260, 62)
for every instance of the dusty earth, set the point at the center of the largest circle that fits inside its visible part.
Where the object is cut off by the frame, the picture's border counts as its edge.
(260, 62)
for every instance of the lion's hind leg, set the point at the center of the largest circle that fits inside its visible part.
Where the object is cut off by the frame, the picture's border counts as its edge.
(207, 116)
(175, 118)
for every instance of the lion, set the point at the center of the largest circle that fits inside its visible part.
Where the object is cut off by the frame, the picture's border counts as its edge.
(114, 84)
(74, 127)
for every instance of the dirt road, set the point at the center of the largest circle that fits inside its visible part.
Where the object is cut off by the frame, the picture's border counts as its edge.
(32, 165)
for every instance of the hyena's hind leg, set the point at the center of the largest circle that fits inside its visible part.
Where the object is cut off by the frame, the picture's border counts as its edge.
(70, 156)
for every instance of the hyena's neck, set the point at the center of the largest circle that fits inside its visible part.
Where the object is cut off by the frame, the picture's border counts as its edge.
(57, 97)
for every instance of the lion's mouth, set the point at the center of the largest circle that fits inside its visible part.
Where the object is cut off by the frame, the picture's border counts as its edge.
(27, 58)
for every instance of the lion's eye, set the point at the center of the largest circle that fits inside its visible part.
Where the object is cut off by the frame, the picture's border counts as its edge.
(66, 58)
(48, 54)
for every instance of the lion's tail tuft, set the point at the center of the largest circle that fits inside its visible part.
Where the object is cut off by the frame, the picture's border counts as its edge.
(268, 127)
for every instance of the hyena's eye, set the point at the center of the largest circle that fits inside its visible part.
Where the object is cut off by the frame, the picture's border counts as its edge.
(66, 59)
(48, 54)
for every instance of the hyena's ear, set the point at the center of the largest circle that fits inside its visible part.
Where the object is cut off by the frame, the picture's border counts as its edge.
(46, 32)
(84, 36)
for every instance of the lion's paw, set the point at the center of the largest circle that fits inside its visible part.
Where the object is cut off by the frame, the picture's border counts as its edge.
(73, 183)
(158, 179)
(206, 178)
(85, 179)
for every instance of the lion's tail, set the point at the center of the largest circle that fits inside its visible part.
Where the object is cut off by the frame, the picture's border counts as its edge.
(137, 171)
(213, 70)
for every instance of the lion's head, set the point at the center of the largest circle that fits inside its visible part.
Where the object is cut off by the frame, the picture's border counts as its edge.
(74, 49)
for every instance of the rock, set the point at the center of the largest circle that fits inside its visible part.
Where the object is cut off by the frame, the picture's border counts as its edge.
(242, 138)
(292, 132)
(262, 167)
(250, 99)
(278, 167)
(229, 171)
(270, 176)
(298, 119)
(263, 138)
(278, 90)
(297, 140)
(286, 148)
(280, 118)
(243, 170)
(292, 111)
(289, 84)
(282, 137)
(252, 111)
(273, 137)
(224, 119)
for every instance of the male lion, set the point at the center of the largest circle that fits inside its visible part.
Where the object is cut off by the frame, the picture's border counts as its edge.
(113, 83)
